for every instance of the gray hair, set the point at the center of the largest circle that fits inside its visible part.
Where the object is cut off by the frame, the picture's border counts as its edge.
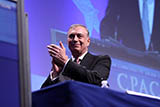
(76, 25)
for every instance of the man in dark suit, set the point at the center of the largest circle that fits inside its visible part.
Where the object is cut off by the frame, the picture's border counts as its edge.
(83, 66)
(124, 22)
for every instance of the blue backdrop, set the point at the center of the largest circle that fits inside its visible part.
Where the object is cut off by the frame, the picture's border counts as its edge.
(49, 20)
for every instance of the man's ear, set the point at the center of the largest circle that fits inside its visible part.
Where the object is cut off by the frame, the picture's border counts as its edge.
(88, 40)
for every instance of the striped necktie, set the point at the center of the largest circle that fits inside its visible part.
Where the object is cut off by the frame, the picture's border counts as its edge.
(77, 60)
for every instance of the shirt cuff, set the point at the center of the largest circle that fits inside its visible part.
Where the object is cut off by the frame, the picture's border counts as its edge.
(51, 76)
(51, 73)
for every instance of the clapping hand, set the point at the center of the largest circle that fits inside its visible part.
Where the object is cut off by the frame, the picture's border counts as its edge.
(58, 54)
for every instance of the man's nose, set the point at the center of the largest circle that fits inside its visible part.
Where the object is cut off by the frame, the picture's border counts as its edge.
(75, 38)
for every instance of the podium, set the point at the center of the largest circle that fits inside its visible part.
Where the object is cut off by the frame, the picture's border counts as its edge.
(78, 94)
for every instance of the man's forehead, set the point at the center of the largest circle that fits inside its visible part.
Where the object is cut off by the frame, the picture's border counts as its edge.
(77, 29)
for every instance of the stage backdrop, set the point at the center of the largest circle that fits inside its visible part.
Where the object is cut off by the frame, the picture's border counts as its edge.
(114, 30)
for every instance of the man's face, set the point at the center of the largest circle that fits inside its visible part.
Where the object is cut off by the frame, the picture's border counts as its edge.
(78, 40)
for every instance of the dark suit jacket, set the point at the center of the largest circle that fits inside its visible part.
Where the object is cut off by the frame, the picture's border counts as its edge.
(92, 69)
(123, 17)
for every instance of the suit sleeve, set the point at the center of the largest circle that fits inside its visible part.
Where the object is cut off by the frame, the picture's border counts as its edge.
(49, 82)
(99, 71)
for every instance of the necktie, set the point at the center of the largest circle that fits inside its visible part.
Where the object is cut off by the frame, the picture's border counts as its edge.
(145, 24)
(77, 60)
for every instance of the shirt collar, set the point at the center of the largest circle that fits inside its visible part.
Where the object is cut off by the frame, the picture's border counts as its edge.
(81, 57)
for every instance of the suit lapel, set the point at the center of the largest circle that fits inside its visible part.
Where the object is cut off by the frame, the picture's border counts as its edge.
(87, 60)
